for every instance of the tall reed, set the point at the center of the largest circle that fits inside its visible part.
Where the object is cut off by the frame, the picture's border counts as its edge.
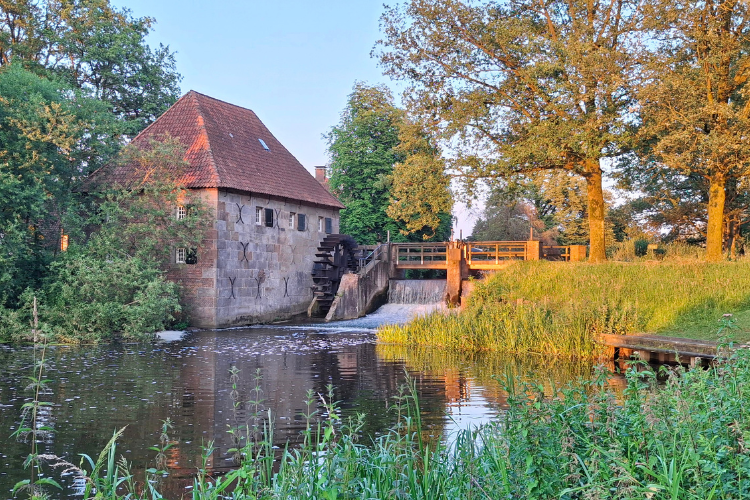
(558, 308)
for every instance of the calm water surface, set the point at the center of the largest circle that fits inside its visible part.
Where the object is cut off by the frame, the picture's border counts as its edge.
(95, 390)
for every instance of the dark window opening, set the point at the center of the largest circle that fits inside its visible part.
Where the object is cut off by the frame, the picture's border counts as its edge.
(329, 225)
(269, 217)
(191, 256)
(301, 222)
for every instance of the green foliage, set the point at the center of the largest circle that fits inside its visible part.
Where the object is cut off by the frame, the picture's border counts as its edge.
(49, 137)
(387, 172)
(518, 86)
(89, 298)
(694, 104)
(113, 283)
(362, 157)
(560, 308)
(420, 193)
(95, 47)
(139, 219)
(640, 247)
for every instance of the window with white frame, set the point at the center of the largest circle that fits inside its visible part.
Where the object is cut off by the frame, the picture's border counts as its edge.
(258, 216)
(321, 222)
(292, 218)
(180, 212)
(179, 255)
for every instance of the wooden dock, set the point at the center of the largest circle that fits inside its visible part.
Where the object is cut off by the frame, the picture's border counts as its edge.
(660, 349)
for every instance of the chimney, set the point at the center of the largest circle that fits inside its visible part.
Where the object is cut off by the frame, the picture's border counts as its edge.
(320, 174)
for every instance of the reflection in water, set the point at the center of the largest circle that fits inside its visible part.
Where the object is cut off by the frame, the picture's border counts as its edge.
(96, 390)
(473, 383)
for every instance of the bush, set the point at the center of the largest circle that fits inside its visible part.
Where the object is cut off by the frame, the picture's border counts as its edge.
(640, 247)
(89, 299)
(13, 325)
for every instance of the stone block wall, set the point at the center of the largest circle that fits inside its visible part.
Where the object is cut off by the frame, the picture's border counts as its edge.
(247, 272)
(264, 273)
(198, 281)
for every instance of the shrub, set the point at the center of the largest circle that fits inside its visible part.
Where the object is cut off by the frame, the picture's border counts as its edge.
(640, 247)
(89, 299)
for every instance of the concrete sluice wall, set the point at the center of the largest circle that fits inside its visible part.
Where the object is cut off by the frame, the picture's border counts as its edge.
(416, 291)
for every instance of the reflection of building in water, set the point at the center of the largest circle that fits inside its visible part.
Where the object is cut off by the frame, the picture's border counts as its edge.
(457, 386)
(203, 408)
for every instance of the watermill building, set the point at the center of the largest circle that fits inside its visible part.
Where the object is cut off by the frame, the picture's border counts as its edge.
(255, 263)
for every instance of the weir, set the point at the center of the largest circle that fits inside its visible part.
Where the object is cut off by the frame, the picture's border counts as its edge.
(359, 280)
(416, 291)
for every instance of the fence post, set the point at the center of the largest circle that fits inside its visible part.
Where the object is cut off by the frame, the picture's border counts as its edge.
(453, 275)
(533, 250)
(577, 253)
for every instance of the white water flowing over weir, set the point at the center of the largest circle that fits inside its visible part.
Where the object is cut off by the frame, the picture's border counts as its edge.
(416, 291)
(407, 299)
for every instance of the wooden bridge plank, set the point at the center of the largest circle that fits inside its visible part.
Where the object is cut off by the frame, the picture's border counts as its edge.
(685, 348)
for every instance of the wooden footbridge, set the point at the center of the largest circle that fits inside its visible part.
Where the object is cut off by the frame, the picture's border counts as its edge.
(479, 255)
(348, 278)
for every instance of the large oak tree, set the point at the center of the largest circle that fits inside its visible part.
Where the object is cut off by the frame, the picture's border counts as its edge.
(519, 86)
(696, 103)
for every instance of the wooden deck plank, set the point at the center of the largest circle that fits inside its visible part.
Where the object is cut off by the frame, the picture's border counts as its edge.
(686, 348)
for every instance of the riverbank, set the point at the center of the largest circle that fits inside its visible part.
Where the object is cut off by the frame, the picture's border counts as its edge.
(685, 440)
(558, 308)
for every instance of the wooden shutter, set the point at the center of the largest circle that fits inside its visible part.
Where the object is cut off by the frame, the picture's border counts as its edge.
(329, 225)
(191, 256)
(301, 222)
(269, 217)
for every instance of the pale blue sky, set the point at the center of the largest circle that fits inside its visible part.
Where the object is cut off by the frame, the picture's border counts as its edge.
(293, 62)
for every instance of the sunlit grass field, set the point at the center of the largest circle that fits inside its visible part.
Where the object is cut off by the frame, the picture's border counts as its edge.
(559, 307)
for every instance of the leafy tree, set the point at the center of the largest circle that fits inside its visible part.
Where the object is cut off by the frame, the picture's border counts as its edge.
(137, 219)
(381, 166)
(553, 203)
(113, 283)
(49, 137)
(95, 47)
(520, 86)
(420, 193)
(507, 219)
(695, 104)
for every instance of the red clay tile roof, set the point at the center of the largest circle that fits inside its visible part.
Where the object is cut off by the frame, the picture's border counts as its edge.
(223, 151)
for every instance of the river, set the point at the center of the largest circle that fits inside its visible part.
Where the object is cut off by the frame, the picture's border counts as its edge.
(95, 390)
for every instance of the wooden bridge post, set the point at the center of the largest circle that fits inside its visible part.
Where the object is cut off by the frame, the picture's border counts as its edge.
(533, 250)
(577, 253)
(454, 264)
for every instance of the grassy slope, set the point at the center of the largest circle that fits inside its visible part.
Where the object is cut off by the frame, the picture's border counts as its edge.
(564, 305)
(674, 298)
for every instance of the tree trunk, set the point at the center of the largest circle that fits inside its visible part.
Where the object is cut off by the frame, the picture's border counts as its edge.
(597, 247)
(715, 229)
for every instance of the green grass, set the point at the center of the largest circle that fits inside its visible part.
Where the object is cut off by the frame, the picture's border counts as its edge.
(687, 439)
(558, 308)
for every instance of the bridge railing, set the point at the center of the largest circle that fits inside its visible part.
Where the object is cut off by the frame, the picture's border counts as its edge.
(494, 252)
(420, 254)
(556, 252)
(368, 253)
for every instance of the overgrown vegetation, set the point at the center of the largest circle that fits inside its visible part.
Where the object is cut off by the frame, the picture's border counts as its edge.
(111, 282)
(685, 439)
(76, 80)
(558, 308)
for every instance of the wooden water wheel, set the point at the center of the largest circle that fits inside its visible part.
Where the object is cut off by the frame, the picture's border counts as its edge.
(335, 257)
